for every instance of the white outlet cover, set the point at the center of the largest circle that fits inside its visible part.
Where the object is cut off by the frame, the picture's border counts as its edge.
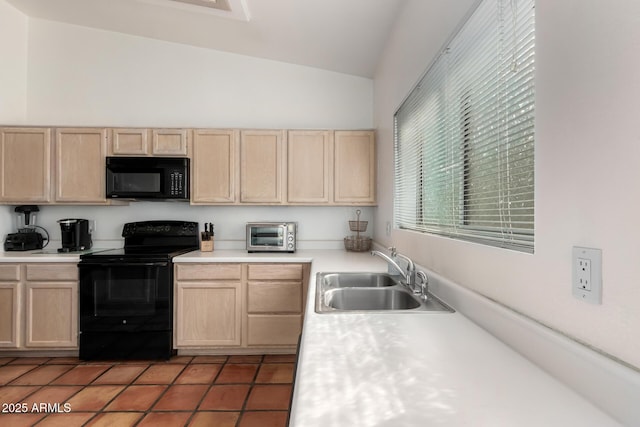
(593, 293)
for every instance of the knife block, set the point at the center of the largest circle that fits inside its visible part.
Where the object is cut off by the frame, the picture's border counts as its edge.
(206, 245)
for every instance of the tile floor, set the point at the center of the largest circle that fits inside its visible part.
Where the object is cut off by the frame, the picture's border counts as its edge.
(218, 391)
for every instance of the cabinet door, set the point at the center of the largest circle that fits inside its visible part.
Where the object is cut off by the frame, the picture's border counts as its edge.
(308, 166)
(9, 314)
(51, 314)
(261, 174)
(169, 142)
(214, 171)
(25, 165)
(354, 167)
(80, 165)
(208, 314)
(129, 142)
(282, 330)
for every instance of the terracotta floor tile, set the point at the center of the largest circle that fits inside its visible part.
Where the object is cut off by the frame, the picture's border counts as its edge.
(214, 419)
(181, 398)
(94, 398)
(30, 360)
(15, 393)
(81, 375)
(121, 374)
(72, 419)
(263, 419)
(165, 419)
(65, 361)
(42, 375)
(9, 373)
(5, 360)
(184, 360)
(20, 420)
(160, 374)
(225, 397)
(275, 373)
(237, 373)
(203, 373)
(52, 394)
(241, 358)
(136, 398)
(115, 419)
(269, 397)
(279, 358)
(209, 359)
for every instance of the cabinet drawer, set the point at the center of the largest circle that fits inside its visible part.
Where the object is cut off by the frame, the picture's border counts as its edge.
(275, 271)
(9, 272)
(208, 272)
(48, 272)
(274, 330)
(275, 297)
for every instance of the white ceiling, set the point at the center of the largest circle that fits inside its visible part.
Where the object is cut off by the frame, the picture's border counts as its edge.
(345, 36)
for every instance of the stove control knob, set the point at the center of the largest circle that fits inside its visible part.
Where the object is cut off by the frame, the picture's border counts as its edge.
(124, 322)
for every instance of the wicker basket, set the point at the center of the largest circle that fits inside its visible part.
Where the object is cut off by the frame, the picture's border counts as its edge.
(357, 244)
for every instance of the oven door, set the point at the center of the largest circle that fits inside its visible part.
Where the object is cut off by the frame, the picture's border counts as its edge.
(126, 296)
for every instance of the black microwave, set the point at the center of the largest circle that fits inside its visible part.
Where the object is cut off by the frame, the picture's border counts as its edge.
(148, 178)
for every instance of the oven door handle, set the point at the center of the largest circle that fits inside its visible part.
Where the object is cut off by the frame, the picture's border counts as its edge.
(124, 264)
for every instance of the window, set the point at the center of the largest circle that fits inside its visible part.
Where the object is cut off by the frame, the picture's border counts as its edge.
(464, 137)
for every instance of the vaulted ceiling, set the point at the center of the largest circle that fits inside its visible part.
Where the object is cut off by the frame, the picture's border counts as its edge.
(346, 36)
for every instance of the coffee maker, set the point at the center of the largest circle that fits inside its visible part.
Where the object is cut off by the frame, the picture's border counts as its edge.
(76, 235)
(27, 237)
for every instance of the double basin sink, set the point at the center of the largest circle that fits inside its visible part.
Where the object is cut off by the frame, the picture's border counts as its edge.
(341, 292)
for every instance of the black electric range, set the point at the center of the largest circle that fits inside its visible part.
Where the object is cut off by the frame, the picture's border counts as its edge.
(126, 294)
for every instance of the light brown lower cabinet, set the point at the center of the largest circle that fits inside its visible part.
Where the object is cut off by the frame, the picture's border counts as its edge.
(39, 306)
(247, 307)
(208, 305)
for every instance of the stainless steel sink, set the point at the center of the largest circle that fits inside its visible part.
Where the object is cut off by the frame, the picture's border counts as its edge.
(369, 299)
(358, 280)
(348, 292)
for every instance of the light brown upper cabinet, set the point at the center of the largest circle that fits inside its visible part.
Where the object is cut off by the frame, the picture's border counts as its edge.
(80, 165)
(25, 165)
(354, 168)
(149, 142)
(309, 160)
(214, 167)
(261, 166)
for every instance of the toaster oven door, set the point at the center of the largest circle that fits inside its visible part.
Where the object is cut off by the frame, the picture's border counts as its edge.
(266, 238)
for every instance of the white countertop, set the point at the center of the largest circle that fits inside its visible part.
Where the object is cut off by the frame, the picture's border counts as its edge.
(414, 369)
(419, 369)
(44, 255)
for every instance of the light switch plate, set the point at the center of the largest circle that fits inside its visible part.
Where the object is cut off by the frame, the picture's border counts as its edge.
(587, 274)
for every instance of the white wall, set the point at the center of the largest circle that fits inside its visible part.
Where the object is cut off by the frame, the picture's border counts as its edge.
(81, 76)
(13, 65)
(587, 172)
(84, 77)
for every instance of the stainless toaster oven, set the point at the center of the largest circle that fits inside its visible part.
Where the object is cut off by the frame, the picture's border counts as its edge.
(271, 236)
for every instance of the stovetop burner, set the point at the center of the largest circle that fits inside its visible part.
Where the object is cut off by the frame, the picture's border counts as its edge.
(151, 239)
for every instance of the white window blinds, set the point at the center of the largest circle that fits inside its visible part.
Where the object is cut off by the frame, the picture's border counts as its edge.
(464, 137)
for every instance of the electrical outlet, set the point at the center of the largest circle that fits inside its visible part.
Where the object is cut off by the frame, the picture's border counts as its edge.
(587, 274)
(583, 274)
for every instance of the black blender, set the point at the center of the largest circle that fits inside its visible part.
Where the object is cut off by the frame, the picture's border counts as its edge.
(27, 236)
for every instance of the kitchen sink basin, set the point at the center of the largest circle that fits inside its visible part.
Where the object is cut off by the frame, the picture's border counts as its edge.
(370, 299)
(358, 280)
(379, 292)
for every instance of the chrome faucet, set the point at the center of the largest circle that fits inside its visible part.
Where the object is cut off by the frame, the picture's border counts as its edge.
(409, 274)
